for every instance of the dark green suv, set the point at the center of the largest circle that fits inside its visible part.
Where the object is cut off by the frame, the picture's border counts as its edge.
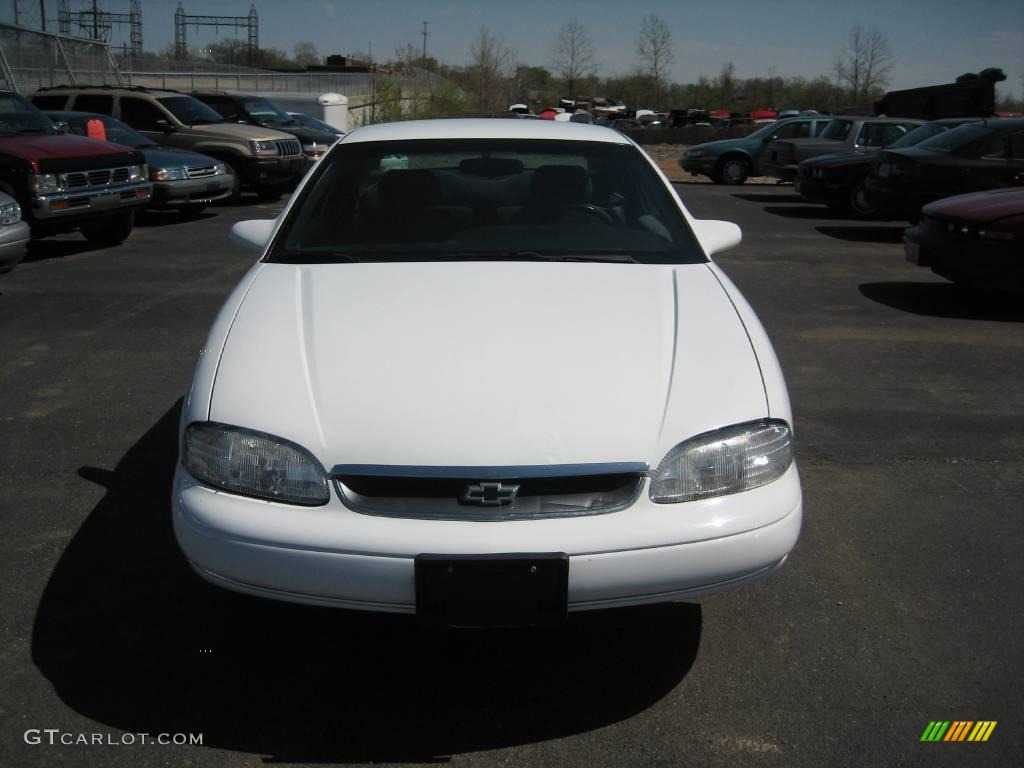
(731, 161)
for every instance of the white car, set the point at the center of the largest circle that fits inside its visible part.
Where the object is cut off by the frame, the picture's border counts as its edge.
(14, 234)
(496, 383)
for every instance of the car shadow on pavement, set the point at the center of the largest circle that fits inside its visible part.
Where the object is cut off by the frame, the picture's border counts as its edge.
(803, 212)
(41, 250)
(129, 637)
(164, 218)
(782, 197)
(946, 300)
(866, 233)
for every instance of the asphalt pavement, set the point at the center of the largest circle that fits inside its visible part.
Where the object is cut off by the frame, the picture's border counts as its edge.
(902, 604)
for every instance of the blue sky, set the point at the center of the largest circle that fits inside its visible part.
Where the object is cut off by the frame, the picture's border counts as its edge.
(934, 40)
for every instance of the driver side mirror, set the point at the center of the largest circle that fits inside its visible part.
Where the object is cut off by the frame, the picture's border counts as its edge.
(717, 236)
(254, 234)
(166, 127)
(61, 126)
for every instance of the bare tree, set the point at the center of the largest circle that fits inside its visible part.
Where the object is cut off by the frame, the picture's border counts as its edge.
(489, 63)
(864, 65)
(573, 56)
(306, 53)
(654, 51)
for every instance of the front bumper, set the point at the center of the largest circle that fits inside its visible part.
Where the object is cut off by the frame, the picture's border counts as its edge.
(703, 165)
(13, 241)
(71, 206)
(182, 192)
(262, 172)
(783, 172)
(820, 191)
(957, 257)
(333, 556)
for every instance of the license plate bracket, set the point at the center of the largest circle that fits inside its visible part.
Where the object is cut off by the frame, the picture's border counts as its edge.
(513, 589)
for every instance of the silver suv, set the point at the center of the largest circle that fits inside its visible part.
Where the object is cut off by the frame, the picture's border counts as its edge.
(266, 160)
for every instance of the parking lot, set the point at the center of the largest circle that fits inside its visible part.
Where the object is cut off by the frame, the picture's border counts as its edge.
(902, 603)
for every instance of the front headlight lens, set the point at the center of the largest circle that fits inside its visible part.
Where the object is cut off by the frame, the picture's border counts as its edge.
(254, 464)
(44, 183)
(136, 173)
(219, 168)
(263, 147)
(728, 460)
(313, 150)
(169, 174)
(10, 214)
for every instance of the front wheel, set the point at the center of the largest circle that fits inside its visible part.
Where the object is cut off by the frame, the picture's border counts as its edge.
(111, 230)
(733, 170)
(860, 204)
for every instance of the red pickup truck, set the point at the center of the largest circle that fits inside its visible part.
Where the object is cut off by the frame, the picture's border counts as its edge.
(64, 182)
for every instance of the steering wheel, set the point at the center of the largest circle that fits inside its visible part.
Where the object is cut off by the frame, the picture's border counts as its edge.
(593, 210)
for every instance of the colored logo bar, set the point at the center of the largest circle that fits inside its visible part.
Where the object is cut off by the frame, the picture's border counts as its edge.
(958, 730)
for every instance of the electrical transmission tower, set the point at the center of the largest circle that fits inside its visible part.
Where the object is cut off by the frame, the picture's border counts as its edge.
(181, 20)
(98, 24)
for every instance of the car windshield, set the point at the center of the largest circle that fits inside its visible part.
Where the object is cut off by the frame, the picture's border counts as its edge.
(919, 134)
(474, 199)
(837, 130)
(18, 116)
(190, 111)
(957, 137)
(113, 130)
(266, 112)
(312, 122)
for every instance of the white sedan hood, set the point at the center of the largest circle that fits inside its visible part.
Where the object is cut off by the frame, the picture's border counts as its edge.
(486, 364)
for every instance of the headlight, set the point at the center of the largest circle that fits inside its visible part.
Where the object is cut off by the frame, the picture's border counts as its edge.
(995, 234)
(43, 183)
(219, 168)
(694, 152)
(169, 174)
(136, 173)
(728, 460)
(263, 147)
(313, 150)
(10, 214)
(254, 464)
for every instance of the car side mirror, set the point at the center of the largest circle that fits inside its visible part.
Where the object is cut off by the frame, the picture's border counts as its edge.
(254, 233)
(61, 126)
(716, 236)
(166, 127)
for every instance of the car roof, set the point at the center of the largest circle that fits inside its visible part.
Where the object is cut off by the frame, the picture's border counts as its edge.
(485, 128)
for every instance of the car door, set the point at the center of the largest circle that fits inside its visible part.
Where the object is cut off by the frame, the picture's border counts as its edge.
(873, 136)
(143, 115)
(1001, 164)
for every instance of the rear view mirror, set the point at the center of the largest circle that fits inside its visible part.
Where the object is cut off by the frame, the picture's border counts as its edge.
(717, 236)
(166, 127)
(254, 234)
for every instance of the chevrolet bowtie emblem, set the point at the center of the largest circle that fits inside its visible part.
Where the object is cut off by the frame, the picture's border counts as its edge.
(489, 494)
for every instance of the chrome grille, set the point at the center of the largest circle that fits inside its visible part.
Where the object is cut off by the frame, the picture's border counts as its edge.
(102, 177)
(289, 147)
(199, 173)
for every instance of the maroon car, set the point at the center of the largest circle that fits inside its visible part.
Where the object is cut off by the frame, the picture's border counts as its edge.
(64, 182)
(976, 239)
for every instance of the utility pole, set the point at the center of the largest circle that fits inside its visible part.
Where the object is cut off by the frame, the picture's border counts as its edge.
(42, 13)
(95, 21)
(424, 33)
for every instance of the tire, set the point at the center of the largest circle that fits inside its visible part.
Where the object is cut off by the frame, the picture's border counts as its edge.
(859, 203)
(270, 194)
(732, 170)
(236, 184)
(110, 230)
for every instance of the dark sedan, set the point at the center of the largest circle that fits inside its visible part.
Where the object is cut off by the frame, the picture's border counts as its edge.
(837, 180)
(181, 179)
(974, 239)
(971, 158)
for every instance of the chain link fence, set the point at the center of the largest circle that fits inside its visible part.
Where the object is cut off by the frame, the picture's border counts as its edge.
(30, 59)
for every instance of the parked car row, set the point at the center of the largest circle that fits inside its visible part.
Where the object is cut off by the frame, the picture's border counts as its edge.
(97, 154)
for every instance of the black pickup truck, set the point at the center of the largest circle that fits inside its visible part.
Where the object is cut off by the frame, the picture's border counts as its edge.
(64, 182)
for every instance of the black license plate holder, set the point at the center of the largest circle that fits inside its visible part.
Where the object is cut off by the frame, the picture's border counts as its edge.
(492, 590)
